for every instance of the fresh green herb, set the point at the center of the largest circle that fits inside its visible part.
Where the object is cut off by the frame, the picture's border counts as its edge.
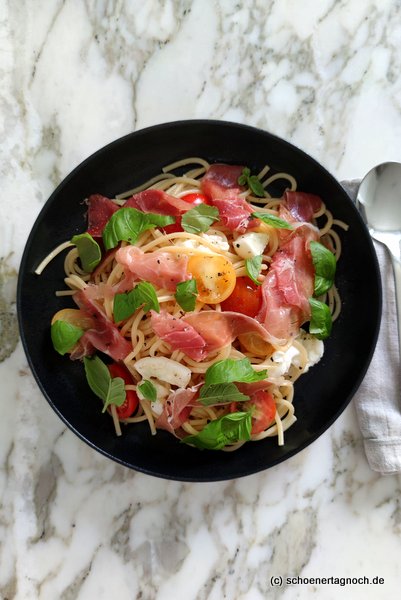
(221, 393)
(110, 390)
(321, 321)
(253, 182)
(186, 293)
(243, 178)
(89, 251)
(229, 369)
(252, 268)
(64, 336)
(271, 220)
(199, 219)
(128, 223)
(228, 429)
(148, 390)
(324, 262)
(125, 304)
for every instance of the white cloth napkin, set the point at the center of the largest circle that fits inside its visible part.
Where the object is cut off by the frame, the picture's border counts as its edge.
(378, 399)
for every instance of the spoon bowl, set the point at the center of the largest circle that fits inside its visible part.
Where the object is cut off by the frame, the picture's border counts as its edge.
(379, 201)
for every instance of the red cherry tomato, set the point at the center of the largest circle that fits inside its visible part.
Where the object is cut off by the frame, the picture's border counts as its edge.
(174, 227)
(131, 399)
(196, 198)
(246, 298)
(264, 410)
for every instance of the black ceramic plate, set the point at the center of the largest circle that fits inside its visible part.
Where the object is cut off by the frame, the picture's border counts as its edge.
(321, 394)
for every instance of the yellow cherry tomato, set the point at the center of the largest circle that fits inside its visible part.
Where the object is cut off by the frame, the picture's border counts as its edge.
(253, 343)
(214, 275)
(74, 316)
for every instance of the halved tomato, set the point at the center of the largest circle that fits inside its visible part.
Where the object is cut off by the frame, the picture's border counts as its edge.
(74, 316)
(214, 275)
(131, 399)
(264, 410)
(246, 298)
(196, 198)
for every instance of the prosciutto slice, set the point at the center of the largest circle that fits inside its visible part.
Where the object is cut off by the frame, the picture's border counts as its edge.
(288, 286)
(163, 269)
(105, 336)
(176, 409)
(180, 335)
(220, 178)
(220, 183)
(100, 209)
(219, 329)
(157, 201)
(302, 206)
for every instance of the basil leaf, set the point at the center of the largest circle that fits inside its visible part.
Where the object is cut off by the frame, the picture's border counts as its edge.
(256, 187)
(186, 293)
(115, 393)
(64, 336)
(89, 251)
(229, 369)
(148, 390)
(252, 181)
(321, 321)
(271, 220)
(127, 223)
(228, 429)
(110, 390)
(199, 219)
(252, 268)
(325, 264)
(220, 393)
(125, 304)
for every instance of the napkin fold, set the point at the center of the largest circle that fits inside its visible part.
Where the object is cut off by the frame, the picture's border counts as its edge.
(378, 399)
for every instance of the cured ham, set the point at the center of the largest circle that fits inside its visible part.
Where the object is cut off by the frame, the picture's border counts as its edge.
(221, 184)
(100, 209)
(180, 335)
(220, 178)
(302, 206)
(163, 269)
(177, 408)
(104, 336)
(234, 211)
(219, 329)
(157, 201)
(288, 286)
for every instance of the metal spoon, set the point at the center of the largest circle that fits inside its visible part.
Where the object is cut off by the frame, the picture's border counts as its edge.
(379, 201)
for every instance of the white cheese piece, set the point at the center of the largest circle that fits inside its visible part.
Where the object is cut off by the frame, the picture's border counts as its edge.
(282, 361)
(251, 244)
(313, 347)
(217, 239)
(164, 369)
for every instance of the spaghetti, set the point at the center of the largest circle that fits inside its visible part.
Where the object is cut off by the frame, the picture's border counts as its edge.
(220, 259)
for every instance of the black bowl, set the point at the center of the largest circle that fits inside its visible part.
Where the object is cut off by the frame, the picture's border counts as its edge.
(321, 394)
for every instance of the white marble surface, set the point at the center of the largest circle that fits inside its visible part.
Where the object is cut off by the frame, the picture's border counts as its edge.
(76, 75)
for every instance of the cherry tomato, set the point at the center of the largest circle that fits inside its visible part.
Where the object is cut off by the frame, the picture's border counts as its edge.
(253, 343)
(174, 227)
(215, 277)
(246, 298)
(74, 316)
(196, 198)
(131, 399)
(264, 410)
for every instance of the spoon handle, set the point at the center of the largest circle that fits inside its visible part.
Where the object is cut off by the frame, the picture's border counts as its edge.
(397, 277)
